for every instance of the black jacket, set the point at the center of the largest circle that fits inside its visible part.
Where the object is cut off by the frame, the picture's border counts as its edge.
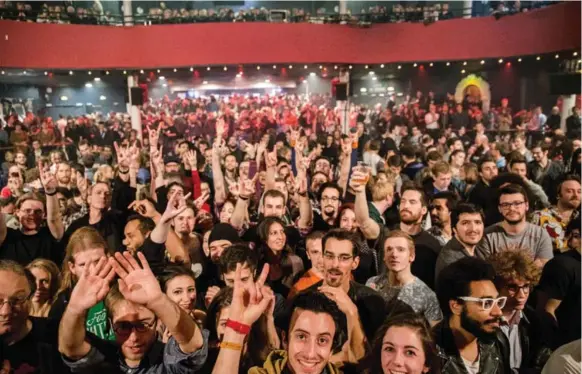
(534, 340)
(493, 358)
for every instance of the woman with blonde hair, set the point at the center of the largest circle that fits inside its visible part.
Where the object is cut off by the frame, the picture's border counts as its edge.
(85, 247)
(48, 280)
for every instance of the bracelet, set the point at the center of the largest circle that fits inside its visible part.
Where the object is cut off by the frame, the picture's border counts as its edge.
(302, 194)
(230, 345)
(50, 194)
(123, 172)
(243, 198)
(241, 328)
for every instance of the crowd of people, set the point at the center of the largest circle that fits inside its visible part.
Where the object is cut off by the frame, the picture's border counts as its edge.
(250, 234)
(160, 13)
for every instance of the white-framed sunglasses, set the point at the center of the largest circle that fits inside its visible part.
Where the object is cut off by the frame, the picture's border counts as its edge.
(487, 303)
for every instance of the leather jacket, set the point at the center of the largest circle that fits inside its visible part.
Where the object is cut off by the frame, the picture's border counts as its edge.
(533, 337)
(493, 358)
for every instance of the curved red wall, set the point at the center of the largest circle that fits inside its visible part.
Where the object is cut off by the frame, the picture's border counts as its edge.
(31, 45)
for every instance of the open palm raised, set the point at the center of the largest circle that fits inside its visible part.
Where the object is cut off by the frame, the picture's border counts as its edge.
(137, 283)
(93, 285)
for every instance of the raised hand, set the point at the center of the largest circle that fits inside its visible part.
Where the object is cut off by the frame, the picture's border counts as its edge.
(190, 157)
(247, 187)
(357, 180)
(137, 283)
(154, 136)
(176, 205)
(48, 180)
(220, 127)
(210, 294)
(133, 154)
(199, 202)
(271, 158)
(144, 208)
(250, 301)
(262, 146)
(92, 287)
(301, 186)
(123, 156)
(157, 158)
(346, 145)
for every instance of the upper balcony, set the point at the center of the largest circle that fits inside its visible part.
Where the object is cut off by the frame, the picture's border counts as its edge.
(381, 35)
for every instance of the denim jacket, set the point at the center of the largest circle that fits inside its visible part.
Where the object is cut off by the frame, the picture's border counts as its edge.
(491, 358)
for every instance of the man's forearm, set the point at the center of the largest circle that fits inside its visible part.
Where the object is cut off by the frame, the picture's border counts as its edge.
(54, 219)
(218, 180)
(305, 212)
(228, 360)
(72, 342)
(344, 172)
(180, 325)
(159, 234)
(368, 226)
(240, 212)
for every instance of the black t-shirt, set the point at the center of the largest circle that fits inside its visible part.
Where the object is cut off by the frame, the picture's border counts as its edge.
(427, 249)
(110, 227)
(26, 248)
(561, 281)
(319, 224)
(37, 352)
(155, 254)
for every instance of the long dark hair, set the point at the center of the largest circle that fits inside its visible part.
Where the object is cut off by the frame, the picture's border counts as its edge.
(372, 363)
(257, 344)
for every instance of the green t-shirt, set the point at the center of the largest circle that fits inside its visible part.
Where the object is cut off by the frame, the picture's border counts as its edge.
(375, 214)
(97, 322)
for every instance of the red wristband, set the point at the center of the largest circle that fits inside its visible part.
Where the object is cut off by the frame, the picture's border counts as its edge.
(241, 328)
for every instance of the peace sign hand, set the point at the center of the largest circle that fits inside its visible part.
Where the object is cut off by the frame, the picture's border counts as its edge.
(48, 180)
(250, 301)
(199, 202)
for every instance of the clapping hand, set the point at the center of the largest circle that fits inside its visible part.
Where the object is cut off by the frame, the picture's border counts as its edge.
(92, 287)
(137, 283)
(48, 180)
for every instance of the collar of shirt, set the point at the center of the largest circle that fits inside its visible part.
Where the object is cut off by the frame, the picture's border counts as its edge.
(514, 319)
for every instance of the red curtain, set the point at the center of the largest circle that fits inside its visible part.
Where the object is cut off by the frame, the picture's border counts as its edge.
(31, 45)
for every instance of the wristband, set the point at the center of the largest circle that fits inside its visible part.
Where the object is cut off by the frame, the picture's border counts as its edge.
(243, 198)
(230, 345)
(241, 328)
(123, 172)
(50, 194)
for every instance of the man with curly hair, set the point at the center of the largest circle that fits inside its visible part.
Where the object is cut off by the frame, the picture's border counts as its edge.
(521, 329)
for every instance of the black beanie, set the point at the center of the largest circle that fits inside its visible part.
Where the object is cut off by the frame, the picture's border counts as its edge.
(223, 231)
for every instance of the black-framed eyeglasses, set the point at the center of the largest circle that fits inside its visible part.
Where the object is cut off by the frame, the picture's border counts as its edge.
(514, 288)
(126, 328)
(515, 204)
(341, 258)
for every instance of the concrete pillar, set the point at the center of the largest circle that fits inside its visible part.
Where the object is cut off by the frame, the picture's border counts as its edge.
(127, 13)
(132, 81)
(343, 6)
(467, 8)
(568, 102)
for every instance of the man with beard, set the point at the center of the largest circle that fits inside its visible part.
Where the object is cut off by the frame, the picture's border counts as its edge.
(440, 208)
(544, 171)
(472, 309)
(522, 330)
(480, 194)
(64, 175)
(514, 230)
(184, 224)
(314, 252)
(35, 240)
(329, 201)
(555, 219)
(364, 307)
(412, 209)
(134, 306)
(467, 222)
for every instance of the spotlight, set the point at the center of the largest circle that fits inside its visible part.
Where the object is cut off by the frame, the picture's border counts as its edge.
(500, 61)
(258, 68)
(88, 85)
(107, 72)
(24, 72)
(3, 72)
(141, 71)
(464, 63)
(208, 68)
(304, 81)
(274, 66)
(538, 58)
(431, 64)
(267, 81)
(482, 62)
(399, 66)
(158, 70)
(463, 71)
(124, 72)
(448, 64)
(557, 56)
(205, 82)
(45, 73)
(191, 69)
(97, 79)
(304, 66)
(162, 78)
(374, 78)
(70, 72)
(225, 68)
(575, 54)
(335, 67)
(321, 66)
(89, 73)
(312, 74)
(164, 85)
(371, 73)
(382, 66)
(519, 59)
(175, 70)
(415, 64)
(290, 66)
(350, 67)
(366, 66)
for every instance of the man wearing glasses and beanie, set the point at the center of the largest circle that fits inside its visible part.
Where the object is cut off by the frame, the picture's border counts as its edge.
(472, 310)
